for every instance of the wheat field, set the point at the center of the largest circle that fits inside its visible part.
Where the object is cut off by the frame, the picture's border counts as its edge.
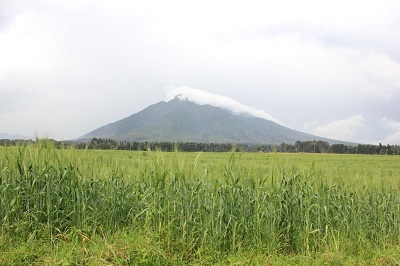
(92, 207)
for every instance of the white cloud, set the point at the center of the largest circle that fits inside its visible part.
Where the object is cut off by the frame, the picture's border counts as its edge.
(378, 69)
(26, 46)
(393, 139)
(203, 97)
(344, 129)
(80, 56)
(394, 128)
(390, 124)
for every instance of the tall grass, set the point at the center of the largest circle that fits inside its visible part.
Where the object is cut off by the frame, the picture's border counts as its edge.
(190, 212)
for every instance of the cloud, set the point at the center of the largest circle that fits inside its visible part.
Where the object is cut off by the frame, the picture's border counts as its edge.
(394, 129)
(344, 129)
(27, 46)
(380, 70)
(69, 60)
(390, 124)
(203, 97)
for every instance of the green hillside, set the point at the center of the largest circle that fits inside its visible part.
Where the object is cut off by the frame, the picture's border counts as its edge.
(182, 120)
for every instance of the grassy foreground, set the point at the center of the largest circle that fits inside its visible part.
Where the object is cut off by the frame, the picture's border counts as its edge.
(74, 207)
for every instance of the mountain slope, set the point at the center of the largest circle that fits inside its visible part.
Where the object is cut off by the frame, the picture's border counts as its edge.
(181, 120)
(15, 136)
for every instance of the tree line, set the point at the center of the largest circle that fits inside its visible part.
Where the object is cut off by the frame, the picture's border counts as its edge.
(298, 147)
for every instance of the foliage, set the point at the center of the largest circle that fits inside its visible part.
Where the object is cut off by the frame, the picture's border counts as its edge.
(299, 146)
(181, 208)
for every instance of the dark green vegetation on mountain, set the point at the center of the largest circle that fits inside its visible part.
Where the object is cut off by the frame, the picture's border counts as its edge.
(184, 121)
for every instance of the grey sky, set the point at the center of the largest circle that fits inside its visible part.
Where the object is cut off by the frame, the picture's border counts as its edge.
(326, 68)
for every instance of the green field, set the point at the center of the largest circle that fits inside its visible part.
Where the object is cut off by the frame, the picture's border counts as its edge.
(92, 207)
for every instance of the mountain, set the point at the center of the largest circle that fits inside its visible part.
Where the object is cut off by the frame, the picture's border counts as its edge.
(182, 120)
(14, 136)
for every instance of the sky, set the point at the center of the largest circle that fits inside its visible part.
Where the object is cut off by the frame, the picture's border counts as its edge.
(329, 68)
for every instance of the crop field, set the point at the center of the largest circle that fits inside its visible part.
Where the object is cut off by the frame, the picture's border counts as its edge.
(93, 207)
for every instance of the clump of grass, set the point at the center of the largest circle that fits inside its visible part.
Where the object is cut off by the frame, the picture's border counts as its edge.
(43, 190)
(183, 213)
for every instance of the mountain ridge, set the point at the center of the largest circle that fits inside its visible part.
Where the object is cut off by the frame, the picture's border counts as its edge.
(185, 121)
(15, 136)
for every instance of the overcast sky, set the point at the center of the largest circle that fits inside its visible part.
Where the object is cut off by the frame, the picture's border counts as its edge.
(330, 68)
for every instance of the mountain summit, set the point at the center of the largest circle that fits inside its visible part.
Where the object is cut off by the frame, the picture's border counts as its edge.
(185, 121)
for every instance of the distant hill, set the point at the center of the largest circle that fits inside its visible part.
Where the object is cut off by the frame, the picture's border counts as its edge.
(182, 120)
(14, 136)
